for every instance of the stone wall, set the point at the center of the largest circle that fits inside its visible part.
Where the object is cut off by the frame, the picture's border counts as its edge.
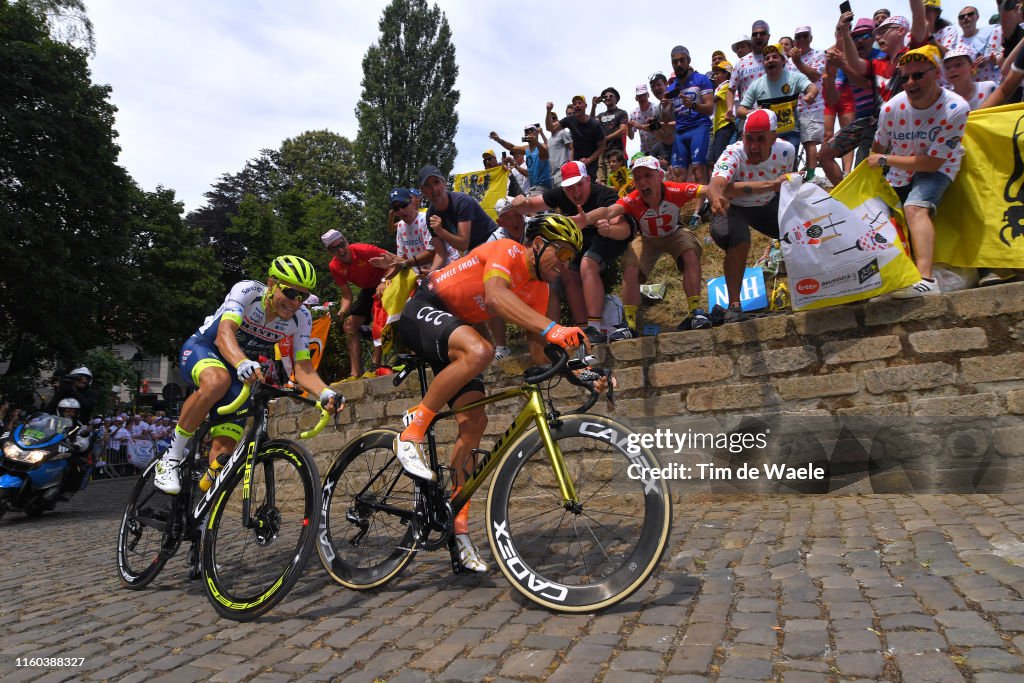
(946, 368)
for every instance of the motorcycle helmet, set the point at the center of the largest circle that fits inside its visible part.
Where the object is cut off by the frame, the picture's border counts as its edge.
(81, 372)
(69, 404)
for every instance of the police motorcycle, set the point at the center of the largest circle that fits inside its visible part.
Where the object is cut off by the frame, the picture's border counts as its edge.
(44, 461)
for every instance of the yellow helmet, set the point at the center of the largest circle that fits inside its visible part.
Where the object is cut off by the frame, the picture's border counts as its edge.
(293, 270)
(555, 226)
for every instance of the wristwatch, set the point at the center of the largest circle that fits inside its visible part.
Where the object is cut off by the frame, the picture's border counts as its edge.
(883, 163)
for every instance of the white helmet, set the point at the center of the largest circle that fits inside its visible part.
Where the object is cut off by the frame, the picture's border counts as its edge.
(81, 371)
(69, 403)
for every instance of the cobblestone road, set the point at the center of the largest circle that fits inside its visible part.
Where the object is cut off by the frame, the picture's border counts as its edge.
(794, 588)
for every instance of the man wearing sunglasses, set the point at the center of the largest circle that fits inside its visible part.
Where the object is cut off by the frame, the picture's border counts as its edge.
(918, 145)
(749, 68)
(222, 355)
(502, 279)
(986, 42)
(893, 35)
(351, 264)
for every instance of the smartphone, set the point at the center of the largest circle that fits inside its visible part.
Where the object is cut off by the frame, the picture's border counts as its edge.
(504, 155)
(845, 7)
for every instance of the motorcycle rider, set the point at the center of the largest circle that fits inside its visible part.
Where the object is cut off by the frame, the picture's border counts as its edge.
(77, 384)
(78, 439)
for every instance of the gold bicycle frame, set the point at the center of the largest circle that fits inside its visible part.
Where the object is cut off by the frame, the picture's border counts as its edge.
(532, 414)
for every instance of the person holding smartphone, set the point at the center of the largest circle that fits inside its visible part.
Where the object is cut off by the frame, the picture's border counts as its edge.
(535, 153)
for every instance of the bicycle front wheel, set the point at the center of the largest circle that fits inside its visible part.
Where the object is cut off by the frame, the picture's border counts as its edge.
(249, 569)
(145, 540)
(586, 557)
(365, 537)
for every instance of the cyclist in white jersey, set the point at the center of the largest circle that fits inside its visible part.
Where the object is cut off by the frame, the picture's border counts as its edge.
(253, 317)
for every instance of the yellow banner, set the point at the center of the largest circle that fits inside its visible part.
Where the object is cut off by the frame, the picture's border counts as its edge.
(980, 221)
(485, 186)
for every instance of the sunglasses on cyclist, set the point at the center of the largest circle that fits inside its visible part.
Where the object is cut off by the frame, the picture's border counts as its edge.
(563, 252)
(292, 293)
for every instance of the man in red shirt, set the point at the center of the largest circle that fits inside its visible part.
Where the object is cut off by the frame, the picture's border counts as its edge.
(351, 264)
(655, 205)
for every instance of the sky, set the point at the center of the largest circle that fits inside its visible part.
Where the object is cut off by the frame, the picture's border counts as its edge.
(202, 86)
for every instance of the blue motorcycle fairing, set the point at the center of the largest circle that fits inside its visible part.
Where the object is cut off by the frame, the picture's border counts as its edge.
(48, 473)
(32, 446)
(9, 481)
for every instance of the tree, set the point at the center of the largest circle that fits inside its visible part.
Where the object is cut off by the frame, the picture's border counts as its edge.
(281, 202)
(64, 201)
(181, 284)
(406, 114)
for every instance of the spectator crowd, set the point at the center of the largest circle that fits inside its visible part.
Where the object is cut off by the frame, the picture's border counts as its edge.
(720, 142)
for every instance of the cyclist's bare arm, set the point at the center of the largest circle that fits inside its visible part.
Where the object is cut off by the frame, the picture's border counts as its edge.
(503, 303)
(227, 344)
(307, 378)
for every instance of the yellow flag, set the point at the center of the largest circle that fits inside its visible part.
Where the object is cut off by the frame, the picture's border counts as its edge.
(486, 186)
(980, 221)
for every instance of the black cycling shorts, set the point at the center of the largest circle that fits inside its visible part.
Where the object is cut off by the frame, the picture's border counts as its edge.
(362, 307)
(425, 327)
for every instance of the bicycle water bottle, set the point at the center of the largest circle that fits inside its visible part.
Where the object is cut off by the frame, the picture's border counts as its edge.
(207, 481)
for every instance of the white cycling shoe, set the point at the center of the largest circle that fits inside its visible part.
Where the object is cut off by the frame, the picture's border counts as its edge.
(166, 478)
(468, 555)
(414, 462)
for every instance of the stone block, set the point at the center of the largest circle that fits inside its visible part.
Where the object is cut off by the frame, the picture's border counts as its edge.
(756, 330)
(907, 377)
(1009, 441)
(984, 303)
(685, 343)
(1015, 402)
(877, 410)
(858, 350)
(690, 371)
(777, 361)
(811, 323)
(644, 348)
(668, 405)
(631, 378)
(730, 397)
(813, 386)
(897, 311)
(973, 405)
(949, 340)
(369, 410)
(993, 368)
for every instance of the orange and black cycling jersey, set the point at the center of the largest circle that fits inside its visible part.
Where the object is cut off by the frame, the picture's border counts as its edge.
(460, 284)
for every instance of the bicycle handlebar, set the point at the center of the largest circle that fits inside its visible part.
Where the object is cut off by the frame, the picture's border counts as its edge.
(325, 416)
(562, 363)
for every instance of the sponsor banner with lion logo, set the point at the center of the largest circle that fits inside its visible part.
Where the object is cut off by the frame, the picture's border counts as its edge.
(845, 246)
(485, 186)
(980, 221)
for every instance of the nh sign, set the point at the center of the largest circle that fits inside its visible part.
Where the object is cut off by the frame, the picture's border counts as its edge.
(752, 295)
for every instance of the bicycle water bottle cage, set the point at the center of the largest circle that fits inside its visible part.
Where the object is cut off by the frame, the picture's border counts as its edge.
(411, 362)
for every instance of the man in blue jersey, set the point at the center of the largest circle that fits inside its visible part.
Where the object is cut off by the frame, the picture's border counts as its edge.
(253, 317)
(693, 102)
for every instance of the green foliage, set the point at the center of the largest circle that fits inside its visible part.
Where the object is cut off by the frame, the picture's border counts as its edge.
(406, 114)
(177, 283)
(64, 201)
(108, 370)
(281, 203)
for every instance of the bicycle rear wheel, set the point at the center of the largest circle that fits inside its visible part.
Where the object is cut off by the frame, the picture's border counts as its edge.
(249, 570)
(145, 540)
(597, 554)
(363, 542)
